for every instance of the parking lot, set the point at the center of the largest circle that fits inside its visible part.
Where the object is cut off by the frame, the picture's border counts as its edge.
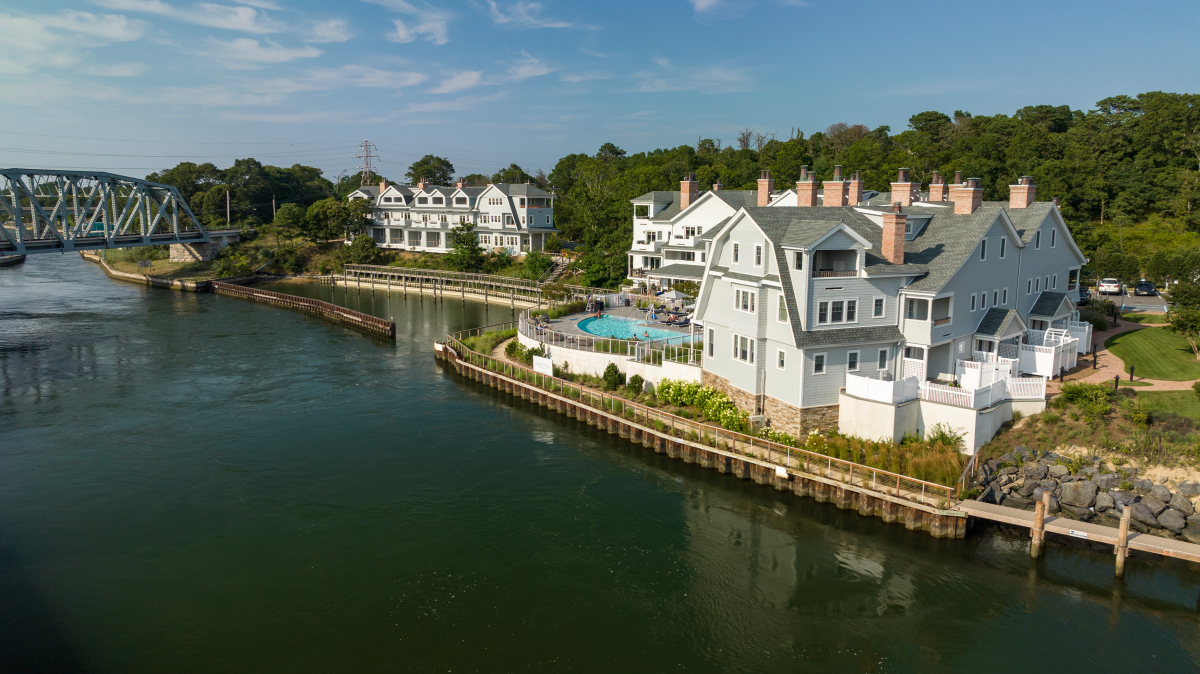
(1130, 302)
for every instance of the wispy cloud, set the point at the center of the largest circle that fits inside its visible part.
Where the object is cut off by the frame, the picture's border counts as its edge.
(575, 78)
(523, 15)
(430, 23)
(59, 40)
(350, 76)
(717, 79)
(237, 18)
(528, 67)
(459, 82)
(249, 53)
(705, 5)
(456, 105)
(328, 30)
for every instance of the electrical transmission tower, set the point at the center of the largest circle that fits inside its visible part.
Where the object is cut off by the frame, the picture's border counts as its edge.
(366, 146)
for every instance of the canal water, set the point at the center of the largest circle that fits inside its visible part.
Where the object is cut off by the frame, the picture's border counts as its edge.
(199, 483)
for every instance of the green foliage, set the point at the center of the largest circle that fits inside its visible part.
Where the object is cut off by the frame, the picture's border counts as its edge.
(1099, 323)
(716, 406)
(147, 253)
(552, 244)
(1094, 400)
(1133, 412)
(1186, 323)
(1196, 389)
(942, 434)
(231, 262)
(537, 263)
(438, 170)
(612, 377)
(361, 251)
(689, 288)
(1159, 353)
(465, 255)
(1186, 295)
(636, 384)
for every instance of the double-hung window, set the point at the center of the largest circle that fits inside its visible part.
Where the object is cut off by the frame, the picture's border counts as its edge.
(823, 312)
(736, 249)
(852, 361)
(783, 315)
(758, 256)
(743, 300)
(851, 311)
(743, 348)
(882, 359)
(995, 297)
(819, 363)
(780, 363)
(878, 313)
(836, 314)
(711, 338)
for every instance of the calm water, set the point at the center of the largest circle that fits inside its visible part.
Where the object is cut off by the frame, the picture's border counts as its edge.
(195, 483)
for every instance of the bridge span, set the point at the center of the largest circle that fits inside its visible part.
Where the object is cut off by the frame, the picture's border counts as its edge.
(51, 211)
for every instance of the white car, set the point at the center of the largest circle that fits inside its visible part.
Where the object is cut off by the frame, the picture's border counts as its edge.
(1109, 286)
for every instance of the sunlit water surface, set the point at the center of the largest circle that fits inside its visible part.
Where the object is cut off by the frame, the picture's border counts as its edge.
(198, 483)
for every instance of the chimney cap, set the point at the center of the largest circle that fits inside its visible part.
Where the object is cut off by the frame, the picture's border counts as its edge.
(690, 177)
(896, 207)
(765, 175)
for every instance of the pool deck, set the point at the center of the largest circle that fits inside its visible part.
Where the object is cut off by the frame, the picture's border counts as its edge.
(569, 325)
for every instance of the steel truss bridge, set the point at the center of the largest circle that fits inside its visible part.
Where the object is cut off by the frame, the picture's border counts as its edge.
(58, 211)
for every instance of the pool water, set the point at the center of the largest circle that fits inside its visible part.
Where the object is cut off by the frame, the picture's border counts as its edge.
(622, 328)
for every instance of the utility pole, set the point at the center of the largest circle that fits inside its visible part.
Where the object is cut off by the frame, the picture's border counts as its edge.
(228, 220)
(366, 146)
(272, 206)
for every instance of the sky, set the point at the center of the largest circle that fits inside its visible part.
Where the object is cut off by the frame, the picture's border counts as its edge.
(134, 86)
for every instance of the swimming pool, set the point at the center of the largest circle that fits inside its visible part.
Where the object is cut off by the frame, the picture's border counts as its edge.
(623, 328)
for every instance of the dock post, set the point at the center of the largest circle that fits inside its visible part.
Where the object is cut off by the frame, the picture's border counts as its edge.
(1038, 533)
(1123, 541)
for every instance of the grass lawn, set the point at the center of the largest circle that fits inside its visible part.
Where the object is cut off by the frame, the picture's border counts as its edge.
(1183, 403)
(188, 271)
(1144, 318)
(1156, 353)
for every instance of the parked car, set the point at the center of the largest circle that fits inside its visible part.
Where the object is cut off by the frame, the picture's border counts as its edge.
(1144, 288)
(1109, 286)
(1084, 296)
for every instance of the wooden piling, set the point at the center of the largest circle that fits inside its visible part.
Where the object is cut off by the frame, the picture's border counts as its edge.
(1038, 532)
(1122, 547)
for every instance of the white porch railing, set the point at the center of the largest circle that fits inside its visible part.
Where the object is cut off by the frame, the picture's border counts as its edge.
(1026, 388)
(892, 392)
(1008, 351)
(912, 367)
(976, 399)
(1083, 333)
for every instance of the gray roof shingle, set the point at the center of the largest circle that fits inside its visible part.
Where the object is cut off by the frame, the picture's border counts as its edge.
(690, 271)
(995, 321)
(1047, 303)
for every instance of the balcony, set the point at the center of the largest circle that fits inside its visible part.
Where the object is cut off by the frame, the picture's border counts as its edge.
(941, 321)
(833, 273)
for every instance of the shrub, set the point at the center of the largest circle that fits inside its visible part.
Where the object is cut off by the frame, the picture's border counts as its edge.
(1196, 388)
(1099, 323)
(1051, 418)
(942, 434)
(1132, 411)
(612, 377)
(636, 384)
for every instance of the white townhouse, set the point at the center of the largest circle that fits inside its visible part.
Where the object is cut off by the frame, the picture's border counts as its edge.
(799, 299)
(670, 228)
(512, 217)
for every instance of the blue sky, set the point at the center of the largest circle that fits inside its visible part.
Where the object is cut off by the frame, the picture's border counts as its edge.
(136, 85)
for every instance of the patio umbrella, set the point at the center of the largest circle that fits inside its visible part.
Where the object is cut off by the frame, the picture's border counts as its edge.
(673, 295)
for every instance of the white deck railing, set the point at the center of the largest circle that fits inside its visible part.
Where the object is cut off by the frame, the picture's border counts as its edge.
(976, 399)
(892, 392)
(912, 367)
(1026, 388)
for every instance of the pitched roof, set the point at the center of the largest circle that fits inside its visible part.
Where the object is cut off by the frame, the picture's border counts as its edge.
(864, 335)
(373, 190)
(657, 195)
(692, 271)
(995, 322)
(1048, 304)
(521, 190)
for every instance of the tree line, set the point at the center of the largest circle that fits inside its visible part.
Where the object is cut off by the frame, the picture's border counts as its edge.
(1131, 160)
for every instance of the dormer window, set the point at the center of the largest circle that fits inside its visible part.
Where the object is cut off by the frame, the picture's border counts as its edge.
(438, 200)
(460, 201)
(422, 200)
(387, 200)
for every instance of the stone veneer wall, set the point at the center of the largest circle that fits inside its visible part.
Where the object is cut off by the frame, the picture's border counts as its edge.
(781, 416)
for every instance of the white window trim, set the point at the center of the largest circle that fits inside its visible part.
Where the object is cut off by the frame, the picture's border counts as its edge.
(753, 303)
(885, 354)
(1003, 247)
(884, 306)
(973, 301)
(1004, 297)
(983, 250)
(749, 349)
(826, 321)
(1028, 286)
(780, 360)
(758, 255)
(824, 364)
(736, 251)
(711, 340)
(1054, 285)
(857, 310)
(857, 361)
(782, 305)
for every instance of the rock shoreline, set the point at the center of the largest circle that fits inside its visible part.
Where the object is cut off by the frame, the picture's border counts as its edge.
(1084, 490)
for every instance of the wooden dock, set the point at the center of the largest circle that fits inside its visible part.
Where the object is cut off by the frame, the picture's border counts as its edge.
(1062, 526)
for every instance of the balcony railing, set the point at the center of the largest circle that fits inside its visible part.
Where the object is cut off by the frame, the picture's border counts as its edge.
(835, 274)
(941, 321)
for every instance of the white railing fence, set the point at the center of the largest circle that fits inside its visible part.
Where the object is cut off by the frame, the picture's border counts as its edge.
(911, 367)
(879, 390)
(1027, 388)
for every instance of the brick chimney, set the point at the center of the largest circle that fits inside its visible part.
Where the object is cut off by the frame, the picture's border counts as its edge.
(689, 189)
(1021, 194)
(856, 189)
(902, 189)
(958, 178)
(424, 183)
(460, 184)
(835, 190)
(717, 186)
(766, 185)
(966, 197)
(383, 186)
(893, 235)
(937, 187)
(806, 188)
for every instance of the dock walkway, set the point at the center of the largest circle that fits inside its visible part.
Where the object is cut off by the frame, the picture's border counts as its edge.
(1157, 545)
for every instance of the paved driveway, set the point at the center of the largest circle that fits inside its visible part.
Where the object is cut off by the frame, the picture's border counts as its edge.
(1131, 302)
